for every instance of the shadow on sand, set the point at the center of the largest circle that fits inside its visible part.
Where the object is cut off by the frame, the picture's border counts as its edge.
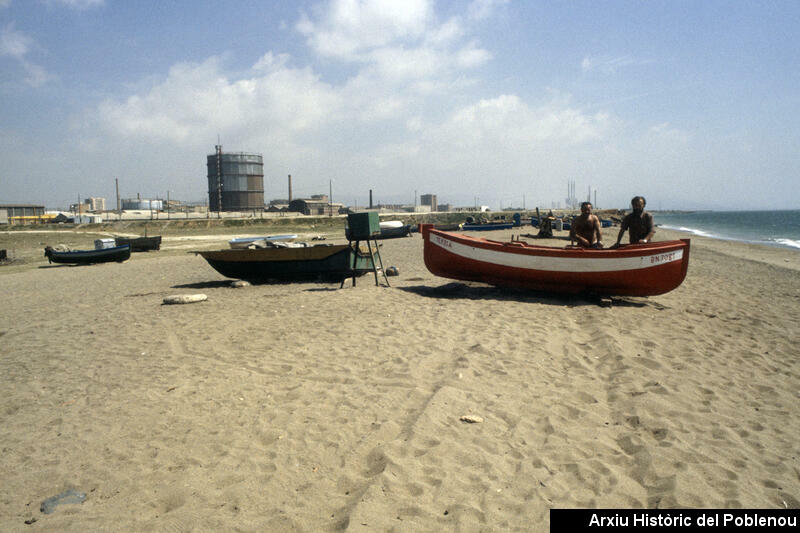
(205, 284)
(465, 291)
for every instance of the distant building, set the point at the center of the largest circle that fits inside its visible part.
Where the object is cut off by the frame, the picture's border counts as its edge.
(444, 207)
(95, 204)
(314, 207)
(429, 200)
(22, 213)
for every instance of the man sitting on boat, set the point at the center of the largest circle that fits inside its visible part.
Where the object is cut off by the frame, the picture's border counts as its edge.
(585, 228)
(639, 222)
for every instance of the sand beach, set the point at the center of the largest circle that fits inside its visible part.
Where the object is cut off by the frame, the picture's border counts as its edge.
(305, 407)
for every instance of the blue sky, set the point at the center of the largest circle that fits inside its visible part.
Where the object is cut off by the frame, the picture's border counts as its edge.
(693, 104)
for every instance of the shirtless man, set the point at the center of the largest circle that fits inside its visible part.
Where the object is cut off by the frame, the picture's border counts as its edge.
(639, 222)
(586, 228)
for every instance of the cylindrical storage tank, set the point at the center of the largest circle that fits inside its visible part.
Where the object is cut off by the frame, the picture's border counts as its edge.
(241, 177)
(137, 204)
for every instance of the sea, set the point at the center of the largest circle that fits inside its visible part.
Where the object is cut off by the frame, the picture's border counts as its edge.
(774, 228)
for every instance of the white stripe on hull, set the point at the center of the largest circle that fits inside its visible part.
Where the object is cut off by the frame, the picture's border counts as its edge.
(556, 264)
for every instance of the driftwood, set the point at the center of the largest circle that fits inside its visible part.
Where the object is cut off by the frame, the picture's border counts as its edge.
(185, 299)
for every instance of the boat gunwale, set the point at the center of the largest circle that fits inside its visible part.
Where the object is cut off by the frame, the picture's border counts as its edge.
(99, 251)
(524, 248)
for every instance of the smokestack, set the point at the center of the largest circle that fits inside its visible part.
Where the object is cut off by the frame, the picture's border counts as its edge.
(290, 188)
(370, 198)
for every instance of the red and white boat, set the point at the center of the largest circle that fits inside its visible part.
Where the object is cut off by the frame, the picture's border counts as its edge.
(632, 270)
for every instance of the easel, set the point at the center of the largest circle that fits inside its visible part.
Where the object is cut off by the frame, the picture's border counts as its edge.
(376, 267)
(364, 227)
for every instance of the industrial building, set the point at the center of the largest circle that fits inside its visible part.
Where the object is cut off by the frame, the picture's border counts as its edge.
(21, 214)
(428, 200)
(235, 181)
(140, 204)
(316, 205)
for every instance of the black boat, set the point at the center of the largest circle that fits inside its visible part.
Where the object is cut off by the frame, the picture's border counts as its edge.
(323, 261)
(386, 232)
(87, 257)
(140, 244)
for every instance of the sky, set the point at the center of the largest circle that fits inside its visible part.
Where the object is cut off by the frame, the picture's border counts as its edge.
(692, 104)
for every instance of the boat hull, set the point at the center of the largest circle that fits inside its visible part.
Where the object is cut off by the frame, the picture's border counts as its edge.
(321, 262)
(634, 270)
(87, 257)
(140, 244)
(392, 232)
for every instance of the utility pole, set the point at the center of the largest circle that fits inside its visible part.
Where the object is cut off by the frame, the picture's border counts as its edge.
(167, 204)
(119, 212)
(219, 180)
(330, 198)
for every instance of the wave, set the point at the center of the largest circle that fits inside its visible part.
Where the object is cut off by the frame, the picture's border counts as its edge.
(694, 231)
(787, 242)
(765, 229)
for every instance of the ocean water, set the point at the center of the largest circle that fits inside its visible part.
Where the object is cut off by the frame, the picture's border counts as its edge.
(774, 228)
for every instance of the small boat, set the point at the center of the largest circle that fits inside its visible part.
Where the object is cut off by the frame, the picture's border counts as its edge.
(489, 226)
(140, 244)
(445, 227)
(328, 262)
(86, 257)
(390, 229)
(258, 242)
(632, 270)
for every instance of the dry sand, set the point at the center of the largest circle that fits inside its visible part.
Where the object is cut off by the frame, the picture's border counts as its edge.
(302, 407)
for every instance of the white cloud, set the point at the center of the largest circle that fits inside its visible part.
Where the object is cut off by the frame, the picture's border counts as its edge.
(511, 121)
(78, 4)
(446, 33)
(17, 45)
(198, 99)
(346, 28)
(471, 56)
(399, 47)
(270, 62)
(14, 43)
(665, 132)
(609, 65)
(481, 9)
